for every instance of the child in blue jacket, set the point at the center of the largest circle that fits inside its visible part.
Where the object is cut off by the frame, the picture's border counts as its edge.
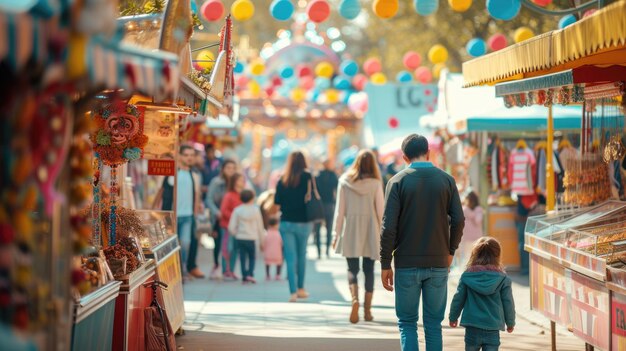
(485, 296)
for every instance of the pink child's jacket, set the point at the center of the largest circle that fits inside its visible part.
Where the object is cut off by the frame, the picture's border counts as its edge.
(273, 248)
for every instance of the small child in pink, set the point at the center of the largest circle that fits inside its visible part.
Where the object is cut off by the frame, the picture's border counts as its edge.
(273, 248)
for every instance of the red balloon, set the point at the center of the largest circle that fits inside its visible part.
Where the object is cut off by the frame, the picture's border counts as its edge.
(497, 42)
(304, 71)
(318, 11)
(542, 3)
(359, 81)
(269, 91)
(372, 65)
(423, 75)
(307, 82)
(393, 123)
(276, 82)
(412, 60)
(212, 10)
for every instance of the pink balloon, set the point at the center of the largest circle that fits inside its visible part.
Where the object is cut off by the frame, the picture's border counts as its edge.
(242, 81)
(304, 71)
(497, 42)
(359, 81)
(542, 3)
(307, 82)
(372, 65)
(423, 75)
(412, 60)
(589, 12)
(212, 10)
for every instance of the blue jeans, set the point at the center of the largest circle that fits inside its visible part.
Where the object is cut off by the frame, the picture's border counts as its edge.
(476, 338)
(229, 252)
(295, 237)
(185, 233)
(247, 256)
(432, 285)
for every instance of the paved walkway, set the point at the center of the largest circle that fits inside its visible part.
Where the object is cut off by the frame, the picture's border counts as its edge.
(229, 316)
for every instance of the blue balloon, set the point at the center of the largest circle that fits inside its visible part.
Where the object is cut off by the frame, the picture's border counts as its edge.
(504, 9)
(238, 67)
(282, 10)
(349, 67)
(404, 77)
(426, 7)
(194, 7)
(322, 83)
(476, 47)
(566, 21)
(349, 9)
(346, 96)
(286, 72)
(341, 82)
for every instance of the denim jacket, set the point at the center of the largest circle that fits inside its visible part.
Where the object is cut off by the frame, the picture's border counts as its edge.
(485, 296)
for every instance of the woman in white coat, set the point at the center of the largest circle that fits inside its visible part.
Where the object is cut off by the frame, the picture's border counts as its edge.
(356, 229)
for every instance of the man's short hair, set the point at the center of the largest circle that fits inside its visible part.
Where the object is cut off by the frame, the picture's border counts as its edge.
(415, 146)
(184, 148)
(208, 147)
(246, 195)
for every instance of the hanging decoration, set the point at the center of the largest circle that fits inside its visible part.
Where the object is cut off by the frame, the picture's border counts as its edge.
(523, 33)
(476, 47)
(349, 9)
(438, 54)
(239, 68)
(286, 73)
(307, 82)
(372, 65)
(254, 88)
(412, 60)
(242, 10)
(349, 67)
(379, 78)
(212, 10)
(385, 8)
(282, 10)
(332, 96)
(566, 21)
(497, 42)
(460, 5)
(257, 68)
(426, 7)
(318, 11)
(404, 77)
(504, 9)
(205, 60)
(304, 71)
(342, 82)
(324, 70)
(322, 83)
(542, 3)
(298, 95)
(423, 75)
(359, 81)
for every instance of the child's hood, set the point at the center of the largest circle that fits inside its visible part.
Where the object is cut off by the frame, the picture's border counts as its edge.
(485, 280)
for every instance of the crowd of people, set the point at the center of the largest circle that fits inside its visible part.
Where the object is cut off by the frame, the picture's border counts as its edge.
(411, 216)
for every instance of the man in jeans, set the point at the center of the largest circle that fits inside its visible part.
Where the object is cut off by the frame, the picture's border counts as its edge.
(422, 227)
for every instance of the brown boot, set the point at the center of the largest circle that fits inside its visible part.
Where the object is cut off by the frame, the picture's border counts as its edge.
(354, 315)
(368, 306)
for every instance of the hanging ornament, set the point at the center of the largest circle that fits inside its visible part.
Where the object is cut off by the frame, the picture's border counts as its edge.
(282, 10)
(460, 5)
(298, 95)
(404, 77)
(566, 21)
(438, 54)
(239, 68)
(349, 9)
(359, 81)
(379, 78)
(349, 67)
(212, 10)
(205, 59)
(286, 72)
(497, 42)
(504, 9)
(332, 96)
(522, 33)
(385, 9)
(324, 69)
(476, 47)
(412, 60)
(257, 68)
(372, 65)
(426, 7)
(318, 10)
(342, 82)
(242, 10)
(542, 3)
(304, 71)
(423, 75)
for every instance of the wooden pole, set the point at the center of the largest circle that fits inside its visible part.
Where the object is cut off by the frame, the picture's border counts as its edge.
(550, 191)
(553, 334)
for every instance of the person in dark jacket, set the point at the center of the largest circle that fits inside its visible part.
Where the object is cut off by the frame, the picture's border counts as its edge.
(422, 227)
(484, 295)
(327, 182)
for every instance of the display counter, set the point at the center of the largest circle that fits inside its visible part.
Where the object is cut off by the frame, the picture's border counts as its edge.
(93, 319)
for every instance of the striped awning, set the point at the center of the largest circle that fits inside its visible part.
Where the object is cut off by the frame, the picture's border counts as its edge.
(598, 40)
(22, 39)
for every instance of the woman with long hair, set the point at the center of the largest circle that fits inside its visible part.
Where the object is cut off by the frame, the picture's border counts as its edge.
(356, 230)
(292, 194)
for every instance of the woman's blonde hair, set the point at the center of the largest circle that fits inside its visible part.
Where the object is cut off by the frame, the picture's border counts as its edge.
(486, 252)
(365, 166)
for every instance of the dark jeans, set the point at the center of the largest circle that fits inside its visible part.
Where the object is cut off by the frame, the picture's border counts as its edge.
(329, 214)
(218, 245)
(279, 268)
(476, 338)
(523, 255)
(368, 270)
(193, 249)
(247, 257)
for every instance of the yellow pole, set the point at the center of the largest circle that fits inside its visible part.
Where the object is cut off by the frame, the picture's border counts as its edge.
(550, 191)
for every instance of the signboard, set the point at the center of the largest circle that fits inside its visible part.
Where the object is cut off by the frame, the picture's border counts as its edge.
(160, 127)
(590, 311)
(169, 272)
(549, 285)
(618, 321)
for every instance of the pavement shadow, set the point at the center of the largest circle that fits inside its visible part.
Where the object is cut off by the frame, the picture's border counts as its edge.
(521, 279)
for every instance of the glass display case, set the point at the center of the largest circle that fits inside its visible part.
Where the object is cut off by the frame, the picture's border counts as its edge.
(161, 229)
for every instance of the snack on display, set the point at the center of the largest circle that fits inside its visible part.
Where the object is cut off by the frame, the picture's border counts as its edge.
(586, 180)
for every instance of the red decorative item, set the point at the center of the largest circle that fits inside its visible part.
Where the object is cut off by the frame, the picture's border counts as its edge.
(318, 11)
(212, 10)
(542, 3)
(372, 65)
(226, 45)
(497, 42)
(276, 82)
(427, 92)
(412, 60)
(307, 83)
(304, 71)
(393, 122)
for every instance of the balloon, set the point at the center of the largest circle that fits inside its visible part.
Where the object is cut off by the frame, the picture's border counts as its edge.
(239, 68)
(286, 72)
(566, 21)
(204, 57)
(589, 12)
(379, 78)
(257, 68)
(412, 60)
(297, 95)
(212, 10)
(307, 82)
(324, 69)
(349, 9)
(476, 47)
(542, 3)
(276, 81)
(385, 8)
(460, 5)
(254, 88)
(504, 9)
(349, 67)
(497, 42)
(423, 75)
(318, 10)
(341, 82)
(304, 70)
(437, 70)
(242, 81)
(242, 10)
(332, 96)
(282, 10)
(523, 33)
(438, 54)
(426, 7)
(372, 65)
(359, 81)
(269, 91)
(404, 77)
(322, 83)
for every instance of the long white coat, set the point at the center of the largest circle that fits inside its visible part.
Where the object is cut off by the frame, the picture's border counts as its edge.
(358, 217)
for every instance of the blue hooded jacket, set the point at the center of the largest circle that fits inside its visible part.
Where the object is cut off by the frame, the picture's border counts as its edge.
(485, 296)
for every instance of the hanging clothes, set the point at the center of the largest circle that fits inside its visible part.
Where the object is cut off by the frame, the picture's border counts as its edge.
(521, 171)
(557, 168)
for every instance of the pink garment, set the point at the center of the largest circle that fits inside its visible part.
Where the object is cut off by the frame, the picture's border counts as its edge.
(473, 224)
(522, 173)
(273, 247)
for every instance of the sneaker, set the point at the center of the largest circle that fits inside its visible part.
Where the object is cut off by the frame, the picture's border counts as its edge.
(250, 280)
(228, 276)
(216, 274)
(197, 273)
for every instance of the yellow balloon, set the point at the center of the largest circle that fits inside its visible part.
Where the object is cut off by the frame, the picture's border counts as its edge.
(460, 5)
(242, 10)
(257, 68)
(437, 70)
(378, 78)
(254, 88)
(523, 33)
(298, 94)
(385, 8)
(438, 54)
(324, 70)
(203, 57)
(332, 96)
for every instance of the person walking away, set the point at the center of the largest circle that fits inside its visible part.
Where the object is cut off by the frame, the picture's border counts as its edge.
(473, 228)
(273, 249)
(215, 195)
(485, 296)
(326, 182)
(246, 226)
(232, 199)
(422, 227)
(292, 193)
(211, 168)
(358, 217)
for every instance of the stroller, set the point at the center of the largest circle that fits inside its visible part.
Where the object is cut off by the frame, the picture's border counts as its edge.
(159, 334)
